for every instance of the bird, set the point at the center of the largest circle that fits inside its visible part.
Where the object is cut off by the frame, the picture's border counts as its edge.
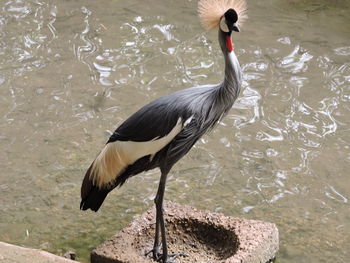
(160, 133)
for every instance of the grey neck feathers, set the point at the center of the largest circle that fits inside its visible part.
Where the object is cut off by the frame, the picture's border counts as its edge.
(230, 87)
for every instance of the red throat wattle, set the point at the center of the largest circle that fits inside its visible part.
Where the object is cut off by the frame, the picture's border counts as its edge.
(229, 43)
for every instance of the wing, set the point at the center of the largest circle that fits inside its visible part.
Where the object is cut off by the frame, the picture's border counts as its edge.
(139, 143)
(153, 121)
(145, 133)
(184, 141)
(158, 118)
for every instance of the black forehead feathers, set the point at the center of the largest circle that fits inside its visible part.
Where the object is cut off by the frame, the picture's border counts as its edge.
(231, 16)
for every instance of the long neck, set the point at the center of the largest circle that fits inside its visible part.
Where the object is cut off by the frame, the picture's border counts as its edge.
(230, 87)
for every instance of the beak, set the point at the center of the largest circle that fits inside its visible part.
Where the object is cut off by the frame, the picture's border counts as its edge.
(235, 27)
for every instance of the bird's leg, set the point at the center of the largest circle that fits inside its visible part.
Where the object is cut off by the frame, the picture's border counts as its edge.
(160, 227)
(160, 218)
(155, 250)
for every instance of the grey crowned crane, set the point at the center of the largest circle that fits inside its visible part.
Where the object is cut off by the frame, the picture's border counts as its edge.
(163, 131)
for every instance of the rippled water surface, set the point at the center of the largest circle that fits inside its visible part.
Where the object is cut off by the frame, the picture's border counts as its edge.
(72, 71)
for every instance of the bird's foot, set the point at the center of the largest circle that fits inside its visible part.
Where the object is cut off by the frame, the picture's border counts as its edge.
(170, 258)
(175, 256)
(155, 253)
(157, 256)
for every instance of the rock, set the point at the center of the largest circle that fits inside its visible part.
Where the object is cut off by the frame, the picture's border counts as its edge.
(15, 254)
(70, 254)
(204, 236)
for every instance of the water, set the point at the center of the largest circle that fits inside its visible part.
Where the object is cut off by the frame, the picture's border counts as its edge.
(72, 71)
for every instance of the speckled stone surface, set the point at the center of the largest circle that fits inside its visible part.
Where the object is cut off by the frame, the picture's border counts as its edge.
(15, 254)
(204, 236)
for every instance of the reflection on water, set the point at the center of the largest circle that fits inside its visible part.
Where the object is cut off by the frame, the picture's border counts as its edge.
(71, 71)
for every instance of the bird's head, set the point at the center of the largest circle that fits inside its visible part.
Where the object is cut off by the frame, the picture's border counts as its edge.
(227, 25)
(228, 22)
(227, 15)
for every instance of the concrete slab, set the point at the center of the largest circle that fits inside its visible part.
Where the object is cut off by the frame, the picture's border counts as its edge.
(16, 254)
(205, 236)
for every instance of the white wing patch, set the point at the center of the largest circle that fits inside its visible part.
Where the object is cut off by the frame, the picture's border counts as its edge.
(188, 121)
(116, 156)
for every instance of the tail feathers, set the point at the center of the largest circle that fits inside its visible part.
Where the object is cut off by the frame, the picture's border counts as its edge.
(91, 196)
(94, 199)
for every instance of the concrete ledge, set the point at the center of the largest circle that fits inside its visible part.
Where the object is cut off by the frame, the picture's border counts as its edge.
(203, 235)
(15, 254)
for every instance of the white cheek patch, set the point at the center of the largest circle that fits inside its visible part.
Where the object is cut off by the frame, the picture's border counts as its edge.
(223, 25)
